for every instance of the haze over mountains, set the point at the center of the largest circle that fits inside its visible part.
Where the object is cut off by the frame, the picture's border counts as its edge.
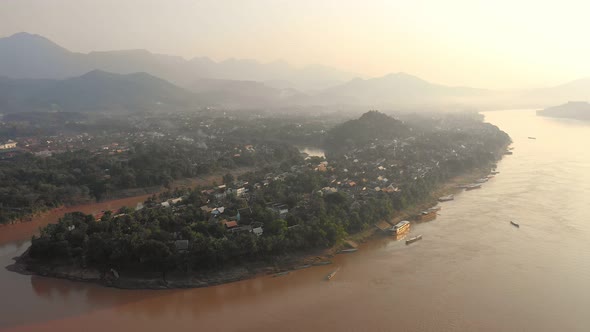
(38, 74)
(32, 56)
(94, 91)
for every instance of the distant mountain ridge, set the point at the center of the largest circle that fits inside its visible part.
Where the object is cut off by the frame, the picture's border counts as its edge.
(398, 89)
(238, 83)
(25, 55)
(94, 91)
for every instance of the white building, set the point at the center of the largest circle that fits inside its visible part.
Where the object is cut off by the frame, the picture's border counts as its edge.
(8, 145)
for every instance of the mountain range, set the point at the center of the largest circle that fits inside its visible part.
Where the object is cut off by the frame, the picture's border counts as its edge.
(94, 91)
(37, 74)
(25, 55)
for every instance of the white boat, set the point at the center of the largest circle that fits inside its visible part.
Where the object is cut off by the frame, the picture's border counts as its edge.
(347, 251)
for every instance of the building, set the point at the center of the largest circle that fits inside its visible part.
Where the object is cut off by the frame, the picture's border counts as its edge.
(10, 144)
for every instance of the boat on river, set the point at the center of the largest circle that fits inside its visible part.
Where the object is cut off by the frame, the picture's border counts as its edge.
(429, 214)
(322, 263)
(400, 227)
(331, 275)
(348, 251)
(531, 137)
(414, 239)
(473, 186)
(514, 224)
(446, 198)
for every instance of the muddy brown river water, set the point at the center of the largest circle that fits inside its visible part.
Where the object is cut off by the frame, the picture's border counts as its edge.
(472, 271)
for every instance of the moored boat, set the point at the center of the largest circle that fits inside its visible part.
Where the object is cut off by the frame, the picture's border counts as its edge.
(514, 224)
(400, 227)
(322, 263)
(446, 198)
(414, 239)
(348, 251)
(473, 186)
(428, 214)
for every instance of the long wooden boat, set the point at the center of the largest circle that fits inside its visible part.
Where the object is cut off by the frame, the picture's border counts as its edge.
(322, 263)
(473, 186)
(331, 275)
(414, 239)
(428, 214)
(514, 224)
(446, 198)
(348, 251)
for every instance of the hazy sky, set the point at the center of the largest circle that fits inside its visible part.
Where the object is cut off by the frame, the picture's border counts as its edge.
(496, 43)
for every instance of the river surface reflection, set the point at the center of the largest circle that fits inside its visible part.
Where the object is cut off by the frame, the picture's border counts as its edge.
(473, 271)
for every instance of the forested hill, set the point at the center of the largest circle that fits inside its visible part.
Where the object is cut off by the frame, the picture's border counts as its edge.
(370, 126)
(579, 110)
(94, 91)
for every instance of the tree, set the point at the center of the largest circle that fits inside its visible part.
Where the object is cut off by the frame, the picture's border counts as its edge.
(155, 254)
(228, 179)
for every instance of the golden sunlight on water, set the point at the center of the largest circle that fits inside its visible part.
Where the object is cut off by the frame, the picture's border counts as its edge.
(472, 271)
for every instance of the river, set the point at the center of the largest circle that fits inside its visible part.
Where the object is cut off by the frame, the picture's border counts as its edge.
(473, 271)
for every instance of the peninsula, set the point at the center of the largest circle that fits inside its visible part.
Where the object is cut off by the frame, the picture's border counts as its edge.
(271, 219)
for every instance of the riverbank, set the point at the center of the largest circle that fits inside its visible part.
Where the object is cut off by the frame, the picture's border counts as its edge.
(278, 265)
(130, 194)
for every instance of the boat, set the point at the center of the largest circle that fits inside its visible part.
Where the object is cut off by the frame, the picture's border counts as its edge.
(428, 214)
(530, 137)
(399, 237)
(301, 267)
(495, 172)
(414, 239)
(473, 186)
(514, 224)
(508, 152)
(400, 227)
(280, 274)
(482, 180)
(322, 263)
(446, 198)
(347, 251)
(332, 274)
